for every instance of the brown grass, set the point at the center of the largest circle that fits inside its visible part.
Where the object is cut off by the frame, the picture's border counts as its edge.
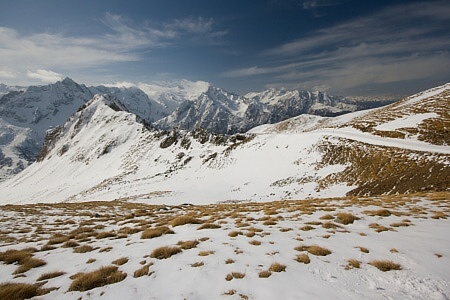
(254, 243)
(185, 245)
(70, 244)
(303, 258)
(100, 277)
(208, 226)
(29, 263)
(182, 220)
(385, 265)
(105, 234)
(120, 261)
(234, 233)
(16, 256)
(165, 252)
(144, 271)
(277, 267)
(197, 264)
(237, 275)
(50, 275)
(326, 217)
(206, 253)
(264, 274)
(20, 291)
(229, 261)
(378, 228)
(363, 249)
(346, 218)
(380, 212)
(314, 250)
(353, 263)
(151, 233)
(83, 249)
(91, 260)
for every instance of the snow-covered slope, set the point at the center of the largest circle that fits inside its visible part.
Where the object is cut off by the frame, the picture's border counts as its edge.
(105, 152)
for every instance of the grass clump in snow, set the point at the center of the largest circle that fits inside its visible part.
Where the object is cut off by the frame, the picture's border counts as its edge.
(234, 233)
(197, 264)
(206, 253)
(151, 233)
(264, 274)
(379, 212)
(120, 261)
(100, 277)
(314, 250)
(70, 244)
(208, 226)
(50, 275)
(326, 217)
(144, 271)
(277, 267)
(363, 249)
(16, 256)
(185, 245)
(20, 291)
(83, 249)
(378, 228)
(346, 218)
(165, 252)
(255, 242)
(234, 275)
(303, 258)
(353, 263)
(105, 234)
(385, 265)
(182, 220)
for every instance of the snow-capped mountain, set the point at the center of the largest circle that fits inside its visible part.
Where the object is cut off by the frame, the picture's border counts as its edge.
(219, 111)
(105, 152)
(5, 89)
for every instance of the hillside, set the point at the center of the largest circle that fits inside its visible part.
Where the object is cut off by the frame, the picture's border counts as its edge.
(104, 152)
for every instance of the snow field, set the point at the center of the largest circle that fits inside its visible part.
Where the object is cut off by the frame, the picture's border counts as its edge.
(247, 240)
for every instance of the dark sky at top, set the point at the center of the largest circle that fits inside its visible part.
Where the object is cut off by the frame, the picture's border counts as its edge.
(342, 46)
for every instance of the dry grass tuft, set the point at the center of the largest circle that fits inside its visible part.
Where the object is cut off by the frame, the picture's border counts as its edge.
(182, 220)
(91, 260)
(314, 250)
(206, 253)
(385, 265)
(105, 234)
(234, 233)
(353, 263)
(100, 277)
(303, 258)
(83, 249)
(208, 226)
(346, 218)
(307, 228)
(50, 275)
(363, 249)
(380, 212)
(254, 243)
(70, 244)
(156, 232)
(120, 261)
(264, 274)
(29, 263)
(378, 228)
(165, 252)
(229, 261)
(185, 245)
(277, 267)
(237, 275)
(326, 217)
(144, 271)
(16, 256)
(20, 291)
(197, 264)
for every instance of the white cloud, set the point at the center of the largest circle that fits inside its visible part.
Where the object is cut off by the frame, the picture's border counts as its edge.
(44, 75)
(123, 43)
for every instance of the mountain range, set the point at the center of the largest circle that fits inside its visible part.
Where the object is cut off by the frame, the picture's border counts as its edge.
(26, 114)
(106, 150)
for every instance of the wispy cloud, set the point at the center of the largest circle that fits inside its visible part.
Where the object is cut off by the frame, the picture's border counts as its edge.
(407, 42)
(122, 41)
(44, 75)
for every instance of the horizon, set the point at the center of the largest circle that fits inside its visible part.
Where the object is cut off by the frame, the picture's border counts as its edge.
(342, 47)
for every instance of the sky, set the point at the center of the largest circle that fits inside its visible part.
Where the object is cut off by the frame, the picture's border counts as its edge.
(346, 47)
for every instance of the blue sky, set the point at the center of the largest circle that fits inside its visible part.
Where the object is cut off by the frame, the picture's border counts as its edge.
(348, 47)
